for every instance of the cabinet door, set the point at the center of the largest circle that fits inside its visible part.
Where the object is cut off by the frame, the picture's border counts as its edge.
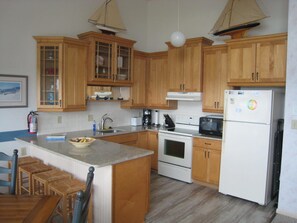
(152, 142)
(49, 65)
(214, 162)
(130, 190)
(122, 63)
(192, 68)
(214, 78)
(199, 164)
(271, 61)
(157, 84)
(138, 90)
(103, 61)
(175, 68)
(210, 81)
(142, 140)
(241, 63)
(74, 79)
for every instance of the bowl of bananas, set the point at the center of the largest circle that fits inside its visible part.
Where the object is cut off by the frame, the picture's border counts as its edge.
(81, 142)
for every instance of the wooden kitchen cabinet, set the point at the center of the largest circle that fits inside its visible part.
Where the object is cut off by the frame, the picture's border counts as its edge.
(206, 160)
(131, 190)
(61, 74)
(185, 65)
(152, 144)
(110, 59)
(257, 61)
(126, 139)
(138, 90)
(157, 82)
(214, 78)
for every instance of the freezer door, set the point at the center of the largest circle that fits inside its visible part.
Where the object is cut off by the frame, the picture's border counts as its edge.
(244, 161)
(248, 106)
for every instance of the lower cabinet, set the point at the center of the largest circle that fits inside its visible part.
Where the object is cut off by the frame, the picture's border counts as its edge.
(131, 197)
(127, 139)
(145, 140)
(206, 160)
(152, 144)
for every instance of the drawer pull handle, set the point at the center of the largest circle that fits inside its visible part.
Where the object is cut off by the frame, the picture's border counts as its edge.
(206, 143)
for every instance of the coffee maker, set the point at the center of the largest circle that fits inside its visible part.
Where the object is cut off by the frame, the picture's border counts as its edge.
(147, 117)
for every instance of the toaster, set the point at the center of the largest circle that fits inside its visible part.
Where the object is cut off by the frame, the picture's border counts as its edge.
(136, 121)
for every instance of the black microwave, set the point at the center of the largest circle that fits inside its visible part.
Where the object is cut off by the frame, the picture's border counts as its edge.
(211, 125)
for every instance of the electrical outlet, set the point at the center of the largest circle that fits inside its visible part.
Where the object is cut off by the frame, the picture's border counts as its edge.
(294, 124)
(59, 119)
(90, 118)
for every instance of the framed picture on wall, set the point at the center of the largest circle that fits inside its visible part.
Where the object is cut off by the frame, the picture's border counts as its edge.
(13, 91)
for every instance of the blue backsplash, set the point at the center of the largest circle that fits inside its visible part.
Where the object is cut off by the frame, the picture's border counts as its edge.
(11, 135)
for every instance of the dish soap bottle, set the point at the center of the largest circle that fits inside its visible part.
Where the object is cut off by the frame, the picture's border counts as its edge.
(94, 126)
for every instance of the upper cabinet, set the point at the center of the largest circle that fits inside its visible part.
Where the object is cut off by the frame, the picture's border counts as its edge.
(109, 59)
(214, 78)
(185, 65)
(157, 82)
(61, 73)
(257, 61)
(138, 90)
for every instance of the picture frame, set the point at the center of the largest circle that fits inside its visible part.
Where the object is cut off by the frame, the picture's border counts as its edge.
(13, 91)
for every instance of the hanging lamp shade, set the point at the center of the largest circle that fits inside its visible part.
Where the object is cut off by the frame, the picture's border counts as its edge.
(107, 17)
(177, 38)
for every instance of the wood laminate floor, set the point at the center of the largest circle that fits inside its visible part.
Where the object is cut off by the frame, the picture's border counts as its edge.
(174, 201)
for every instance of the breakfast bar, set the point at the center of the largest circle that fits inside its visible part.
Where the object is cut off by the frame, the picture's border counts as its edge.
(120, 172)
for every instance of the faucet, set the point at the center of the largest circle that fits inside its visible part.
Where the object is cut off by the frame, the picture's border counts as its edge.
(102, 122)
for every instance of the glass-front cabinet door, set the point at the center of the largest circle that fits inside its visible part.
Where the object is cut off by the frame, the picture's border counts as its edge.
(110, 59)
(123, 67)
(103, 61)
(49, 76)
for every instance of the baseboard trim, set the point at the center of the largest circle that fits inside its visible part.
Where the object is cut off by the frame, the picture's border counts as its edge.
(285, 213)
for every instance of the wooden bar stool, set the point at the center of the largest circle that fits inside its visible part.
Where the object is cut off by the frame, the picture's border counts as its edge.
(66, 188)
(25, 160)
(43, 179)
(25, 176)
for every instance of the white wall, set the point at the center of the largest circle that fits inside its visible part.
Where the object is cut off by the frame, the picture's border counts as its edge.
(20, 20)
(288, 180)
(197, 18)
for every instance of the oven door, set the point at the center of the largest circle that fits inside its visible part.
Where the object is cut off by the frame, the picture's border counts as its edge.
(175, 149)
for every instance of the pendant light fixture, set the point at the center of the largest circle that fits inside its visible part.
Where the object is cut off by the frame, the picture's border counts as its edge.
(177, 38)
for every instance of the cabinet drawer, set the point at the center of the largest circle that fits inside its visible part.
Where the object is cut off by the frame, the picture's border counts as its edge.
(207, 143)
(123, 138)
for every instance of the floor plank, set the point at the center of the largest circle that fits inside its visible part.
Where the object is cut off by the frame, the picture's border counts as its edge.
(176, 201)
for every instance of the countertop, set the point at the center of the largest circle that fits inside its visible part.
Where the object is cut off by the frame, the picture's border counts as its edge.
(100, 153)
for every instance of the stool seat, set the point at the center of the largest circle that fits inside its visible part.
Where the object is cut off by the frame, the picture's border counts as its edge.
(43, 179)
(67, 188)
(25, 176)
(28, 160)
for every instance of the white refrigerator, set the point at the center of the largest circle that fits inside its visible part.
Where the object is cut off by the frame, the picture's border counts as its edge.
(250, 121)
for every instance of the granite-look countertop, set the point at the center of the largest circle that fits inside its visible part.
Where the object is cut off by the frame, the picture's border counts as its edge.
(100, 153)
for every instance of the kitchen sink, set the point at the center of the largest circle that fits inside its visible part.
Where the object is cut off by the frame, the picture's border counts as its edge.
(110, 130)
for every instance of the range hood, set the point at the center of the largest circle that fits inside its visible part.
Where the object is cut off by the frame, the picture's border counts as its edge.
(184, 96)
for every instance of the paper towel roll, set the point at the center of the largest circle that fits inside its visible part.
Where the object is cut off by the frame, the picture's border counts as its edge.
(155, 117)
